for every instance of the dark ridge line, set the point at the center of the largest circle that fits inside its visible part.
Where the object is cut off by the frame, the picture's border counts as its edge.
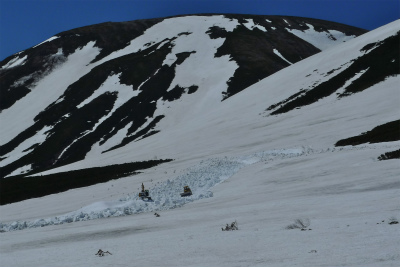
(145, 132)
(19, 188)
(390, 155)
(377, 63)
(388, 132)
(260, 16)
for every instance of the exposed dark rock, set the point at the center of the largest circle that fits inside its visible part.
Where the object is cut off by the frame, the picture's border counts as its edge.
(18, 188)
(390, 155)
(387, 132)
(67, 129)
(253, 50)
(108, 36)
(379, 64)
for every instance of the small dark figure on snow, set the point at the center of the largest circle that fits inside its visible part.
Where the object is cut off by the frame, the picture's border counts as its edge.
(186, 191)
(157, 215)
(102, 253)
(231, 227)
(145, 195)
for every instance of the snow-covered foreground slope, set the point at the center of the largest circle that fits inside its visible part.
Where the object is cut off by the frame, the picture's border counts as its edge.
(348, 196)
(243, 164)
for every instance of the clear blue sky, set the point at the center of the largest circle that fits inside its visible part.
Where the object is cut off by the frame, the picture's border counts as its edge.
(25, 23)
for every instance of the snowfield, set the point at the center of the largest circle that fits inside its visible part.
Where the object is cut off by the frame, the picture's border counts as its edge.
(243, 164)
(200, 178)
(349, 211)
(202, 69)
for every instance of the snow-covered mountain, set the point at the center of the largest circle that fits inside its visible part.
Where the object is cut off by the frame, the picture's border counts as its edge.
(267, 119)
(97, 89)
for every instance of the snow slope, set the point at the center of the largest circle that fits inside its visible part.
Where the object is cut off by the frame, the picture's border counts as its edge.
(262, 170)
(348, 208)
(46, 92)
(322, 124)
(198, 60)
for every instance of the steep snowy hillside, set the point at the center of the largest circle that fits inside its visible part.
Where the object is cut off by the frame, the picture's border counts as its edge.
(317, 142)
(100, 88)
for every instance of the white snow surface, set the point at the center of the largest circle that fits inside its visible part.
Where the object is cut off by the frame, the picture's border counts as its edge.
(276, 52)
(251, 25)
(48, 90)
(48, 40)
(348, 207)
(321, 40)
(173, 27)
(242, 165)
(16, 61)
(206, 123)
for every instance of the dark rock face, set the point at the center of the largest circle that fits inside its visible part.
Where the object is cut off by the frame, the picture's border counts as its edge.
(18, 188)
(387, 132)
(380, 61)
(42, 59)
(253, 50)
(390, 155)
(74, 130)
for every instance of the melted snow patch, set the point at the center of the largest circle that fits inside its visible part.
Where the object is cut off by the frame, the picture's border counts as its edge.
(276, 52)
(59, 52)
(251, 25)
(16, 61)
(21, 81)
(21, 170)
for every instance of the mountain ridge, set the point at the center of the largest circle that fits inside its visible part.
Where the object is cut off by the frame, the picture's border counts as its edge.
(317, 185)
(161, 83)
